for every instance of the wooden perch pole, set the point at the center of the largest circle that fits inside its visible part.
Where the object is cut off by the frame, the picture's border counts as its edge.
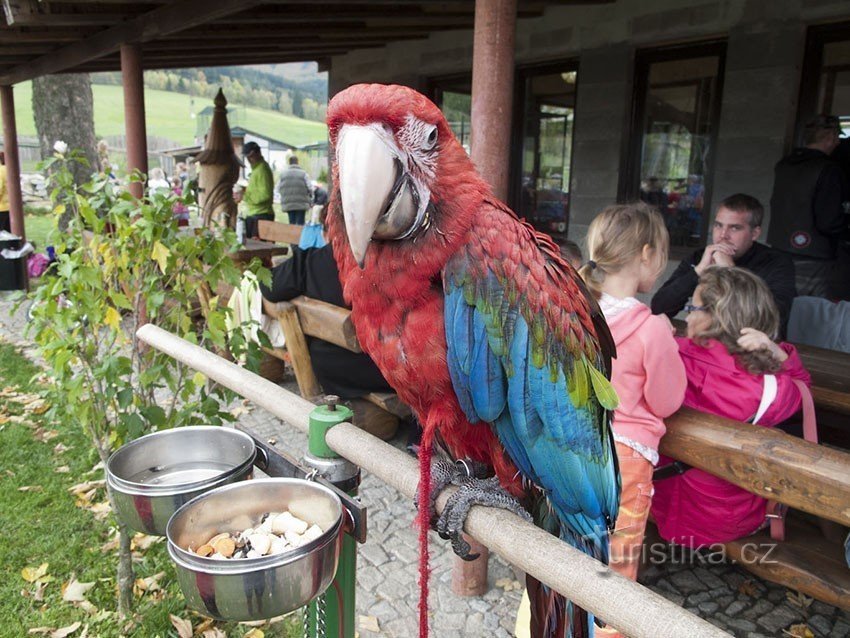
(624, 604)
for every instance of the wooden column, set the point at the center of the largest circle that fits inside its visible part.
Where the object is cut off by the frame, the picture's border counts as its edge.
(492, 100)
(492, 90)
(134, 113)
(13, 163)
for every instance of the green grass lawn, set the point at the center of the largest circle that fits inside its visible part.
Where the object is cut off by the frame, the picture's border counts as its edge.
(168, 115)
(39, 231)
(40, 524)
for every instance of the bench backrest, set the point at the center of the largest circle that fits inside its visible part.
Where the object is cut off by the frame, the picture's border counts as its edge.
(279, 232)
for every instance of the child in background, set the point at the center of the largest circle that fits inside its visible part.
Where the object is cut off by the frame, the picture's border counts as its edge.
(628, 251)
(734, 370)
(180, 210)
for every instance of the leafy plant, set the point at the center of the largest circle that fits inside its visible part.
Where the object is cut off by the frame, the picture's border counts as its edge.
(124, 262)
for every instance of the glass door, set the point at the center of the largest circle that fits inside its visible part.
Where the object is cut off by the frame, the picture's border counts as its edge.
(675, 114)
(541, 184)
(825, 86)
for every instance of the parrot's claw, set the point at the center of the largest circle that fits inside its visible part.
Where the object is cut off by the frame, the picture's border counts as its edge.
(445, 472)
(473, 491)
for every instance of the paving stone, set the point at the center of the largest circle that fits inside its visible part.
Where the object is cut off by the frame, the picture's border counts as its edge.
(373, 553)
(759, 609)
(474, 625)
(841, 628)
(778, 619)
(708, 579)
(701, 597)
(708, 607)
(821, 624)
(735, 608)
(687, 582)
(741, 624)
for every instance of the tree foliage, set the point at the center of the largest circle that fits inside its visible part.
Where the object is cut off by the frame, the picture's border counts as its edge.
(124, 262)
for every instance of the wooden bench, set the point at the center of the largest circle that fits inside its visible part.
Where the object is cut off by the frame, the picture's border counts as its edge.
(807, 477)
(305, 317)
(278, 232)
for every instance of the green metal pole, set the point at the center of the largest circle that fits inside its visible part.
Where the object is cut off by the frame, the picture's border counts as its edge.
(340, 596)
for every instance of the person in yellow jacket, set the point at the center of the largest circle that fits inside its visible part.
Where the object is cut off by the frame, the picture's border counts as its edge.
(259, 194)
(5, 224)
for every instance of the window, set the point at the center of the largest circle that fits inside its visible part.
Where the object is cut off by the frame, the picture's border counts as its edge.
(674, 124)
(453, 95)
(541, 192)
(825, 86)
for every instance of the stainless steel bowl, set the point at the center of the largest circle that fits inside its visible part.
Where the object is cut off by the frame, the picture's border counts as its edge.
(255, 588)
(151, 477)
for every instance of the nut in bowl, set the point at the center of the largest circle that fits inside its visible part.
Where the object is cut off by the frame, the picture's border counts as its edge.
(256, 581)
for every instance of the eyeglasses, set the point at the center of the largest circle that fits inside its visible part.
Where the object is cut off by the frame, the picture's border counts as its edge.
(689, 308)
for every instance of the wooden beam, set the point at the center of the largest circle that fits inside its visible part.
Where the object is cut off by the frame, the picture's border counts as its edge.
(170, 18)
(15, 36)
(767, 462)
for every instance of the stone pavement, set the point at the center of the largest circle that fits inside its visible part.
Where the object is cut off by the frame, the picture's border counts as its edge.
(387, 592)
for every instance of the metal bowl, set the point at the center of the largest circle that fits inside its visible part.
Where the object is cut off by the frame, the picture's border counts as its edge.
(255, 588)
(152, 477)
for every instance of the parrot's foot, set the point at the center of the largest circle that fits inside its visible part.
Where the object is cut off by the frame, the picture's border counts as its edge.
(473, 491)
(445, 472)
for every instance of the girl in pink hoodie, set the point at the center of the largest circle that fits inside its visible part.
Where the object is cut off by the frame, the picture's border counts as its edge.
(735, 370)
(628, 251)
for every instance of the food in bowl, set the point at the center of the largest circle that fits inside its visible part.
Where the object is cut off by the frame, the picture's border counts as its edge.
(275, 533)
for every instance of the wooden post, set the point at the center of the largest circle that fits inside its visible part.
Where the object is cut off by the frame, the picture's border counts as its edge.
(134, 113)
(13, 163)
(492, 99)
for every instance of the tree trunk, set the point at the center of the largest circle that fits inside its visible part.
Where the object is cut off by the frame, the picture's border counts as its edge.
(64, 110)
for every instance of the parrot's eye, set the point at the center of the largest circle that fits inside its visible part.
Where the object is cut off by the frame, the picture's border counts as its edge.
(431, 139)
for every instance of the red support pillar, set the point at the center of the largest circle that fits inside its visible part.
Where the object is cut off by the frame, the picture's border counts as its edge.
(134, 113)
(13, 162)
(492, 90)
(492, 101)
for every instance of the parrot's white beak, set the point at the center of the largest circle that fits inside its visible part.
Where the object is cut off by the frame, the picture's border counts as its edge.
(378, 200)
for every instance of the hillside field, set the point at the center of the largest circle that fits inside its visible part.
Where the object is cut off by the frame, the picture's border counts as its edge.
(168, 115)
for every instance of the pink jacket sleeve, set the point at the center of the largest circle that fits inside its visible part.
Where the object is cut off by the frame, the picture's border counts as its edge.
(787, 400)
(664, 388)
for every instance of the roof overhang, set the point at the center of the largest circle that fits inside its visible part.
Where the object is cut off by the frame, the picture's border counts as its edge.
(40, 37)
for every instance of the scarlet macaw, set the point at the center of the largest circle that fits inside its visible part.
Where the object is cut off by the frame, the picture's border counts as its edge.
(476, 321)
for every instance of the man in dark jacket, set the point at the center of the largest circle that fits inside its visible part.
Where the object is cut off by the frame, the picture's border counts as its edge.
(296, 192)
(349, 375)
(808, 214)
(737, 226)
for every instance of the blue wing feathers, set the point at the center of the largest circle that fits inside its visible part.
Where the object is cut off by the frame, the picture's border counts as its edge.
(508, 370)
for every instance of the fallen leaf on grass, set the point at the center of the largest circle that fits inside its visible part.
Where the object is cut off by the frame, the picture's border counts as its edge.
(799, 599)
(214, 632)
(86, 486)
(799, 631)
(239, 411)
(66, 631)
(74, 591)
(183, 627)
(255, 633)
(100, 510)
(39, 406)
(40, 630)
(62, 469)
(143, 542)
(205, 624)
(31, 488)
(110, 546)
(151, 583)
(369, 623)
(59, 448)
(34, 574)
(45, 435)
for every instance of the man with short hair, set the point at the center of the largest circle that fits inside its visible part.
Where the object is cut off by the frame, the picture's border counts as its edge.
(296, 192)
(258, 196)
(737, 226)
(809, 211)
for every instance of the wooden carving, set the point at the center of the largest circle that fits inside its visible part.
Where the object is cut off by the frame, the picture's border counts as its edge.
(219, 170)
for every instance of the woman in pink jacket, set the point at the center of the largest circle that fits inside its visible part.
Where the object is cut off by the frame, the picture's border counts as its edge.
(734, 370)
